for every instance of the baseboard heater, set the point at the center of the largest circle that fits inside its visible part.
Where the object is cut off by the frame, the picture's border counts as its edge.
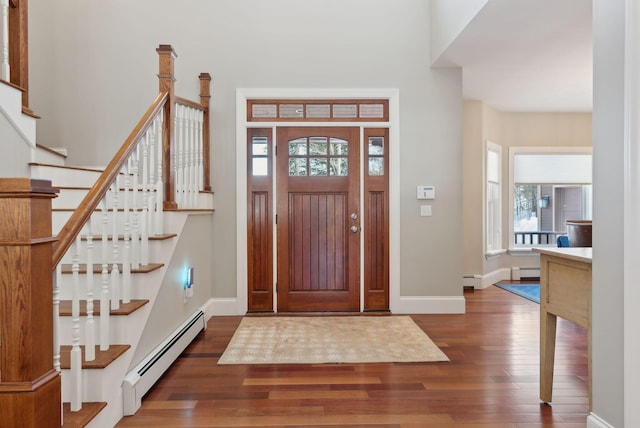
(139, 380)
(525, 273)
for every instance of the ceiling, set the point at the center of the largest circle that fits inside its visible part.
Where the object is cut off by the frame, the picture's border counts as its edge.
(527, 55)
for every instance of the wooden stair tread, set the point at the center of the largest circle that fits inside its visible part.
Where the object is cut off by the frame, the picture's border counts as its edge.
(124, 309)
(82, 417)
(77, 168)
(97, 268)
(103, 358)
(50, 150)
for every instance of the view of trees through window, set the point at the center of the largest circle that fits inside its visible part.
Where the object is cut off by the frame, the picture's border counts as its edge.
(525, 210)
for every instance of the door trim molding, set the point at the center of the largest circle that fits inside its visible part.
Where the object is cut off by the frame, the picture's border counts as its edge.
(242, 95)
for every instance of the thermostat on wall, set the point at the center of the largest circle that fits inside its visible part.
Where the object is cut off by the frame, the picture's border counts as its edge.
(426, 192)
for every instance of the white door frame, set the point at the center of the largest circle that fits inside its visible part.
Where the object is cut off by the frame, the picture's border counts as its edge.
(244, 94)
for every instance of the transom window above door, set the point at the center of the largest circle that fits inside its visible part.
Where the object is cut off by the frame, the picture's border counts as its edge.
(318, 110)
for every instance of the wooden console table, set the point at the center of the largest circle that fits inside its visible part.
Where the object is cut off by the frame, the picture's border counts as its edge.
(565, 291)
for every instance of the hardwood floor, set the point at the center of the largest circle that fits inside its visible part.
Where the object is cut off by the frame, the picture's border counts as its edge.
(491, 380)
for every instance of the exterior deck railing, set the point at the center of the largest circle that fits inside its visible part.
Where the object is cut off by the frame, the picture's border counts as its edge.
(536, 237)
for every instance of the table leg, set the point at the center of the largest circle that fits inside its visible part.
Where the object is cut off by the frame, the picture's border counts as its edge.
(547, 353)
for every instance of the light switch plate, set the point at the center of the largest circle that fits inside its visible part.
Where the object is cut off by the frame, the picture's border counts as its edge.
(425, 210)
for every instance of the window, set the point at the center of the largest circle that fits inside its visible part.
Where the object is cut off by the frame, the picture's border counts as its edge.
(493, 174)
(340, 110)
(318, 156)
(549, 187)
(259, 156)
(375, 153)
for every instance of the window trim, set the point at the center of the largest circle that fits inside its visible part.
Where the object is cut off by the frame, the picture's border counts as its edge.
(540, 150)
(499, 249)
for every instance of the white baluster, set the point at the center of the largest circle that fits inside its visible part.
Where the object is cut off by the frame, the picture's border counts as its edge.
(90, 328)
(200, 150)
(190, 153)
(56, 317)
(115, 272)
(5, 72)
(135, 231)
(126, 262)
(144, 217)
(187, 157)
(186, 154)
(105, 294)
(178, 166)
(159, 199)
(180, 162)
(192, 157)
(76, 351)
(152, 180)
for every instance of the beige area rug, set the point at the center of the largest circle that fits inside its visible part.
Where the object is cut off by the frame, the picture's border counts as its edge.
(331, 339)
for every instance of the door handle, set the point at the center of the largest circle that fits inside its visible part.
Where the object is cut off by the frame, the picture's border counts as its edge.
(354, 229)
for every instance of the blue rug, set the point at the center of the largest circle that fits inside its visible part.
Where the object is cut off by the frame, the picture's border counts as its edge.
(528, 291)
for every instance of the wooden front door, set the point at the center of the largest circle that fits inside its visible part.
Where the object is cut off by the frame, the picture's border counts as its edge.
(318, 219)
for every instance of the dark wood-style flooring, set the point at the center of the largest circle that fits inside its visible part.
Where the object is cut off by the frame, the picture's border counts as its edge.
(491, 380)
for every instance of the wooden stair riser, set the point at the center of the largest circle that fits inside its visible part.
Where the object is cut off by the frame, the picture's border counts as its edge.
(122, 329)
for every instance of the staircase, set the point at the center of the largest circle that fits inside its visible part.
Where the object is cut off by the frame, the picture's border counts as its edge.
(116, 239)
(104, 374)
(102, 378)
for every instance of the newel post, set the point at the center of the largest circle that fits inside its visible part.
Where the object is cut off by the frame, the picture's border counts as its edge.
(30, 394)
(205, 101)
(167, 56)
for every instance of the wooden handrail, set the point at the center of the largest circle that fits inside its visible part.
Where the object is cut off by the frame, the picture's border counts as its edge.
(80, 216)
(189, 103)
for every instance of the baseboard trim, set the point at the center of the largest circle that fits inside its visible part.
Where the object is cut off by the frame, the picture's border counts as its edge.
(430, 305)
(593, 421)
(407, 305)
(471, 281)
(480, 281)
(220, 307)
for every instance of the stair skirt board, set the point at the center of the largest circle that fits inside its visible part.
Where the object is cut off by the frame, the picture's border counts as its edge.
(139, 380)
(525, 273)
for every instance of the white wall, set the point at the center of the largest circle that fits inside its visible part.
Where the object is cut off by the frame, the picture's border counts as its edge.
(608, 212)
(169, 308)
(100, 57)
